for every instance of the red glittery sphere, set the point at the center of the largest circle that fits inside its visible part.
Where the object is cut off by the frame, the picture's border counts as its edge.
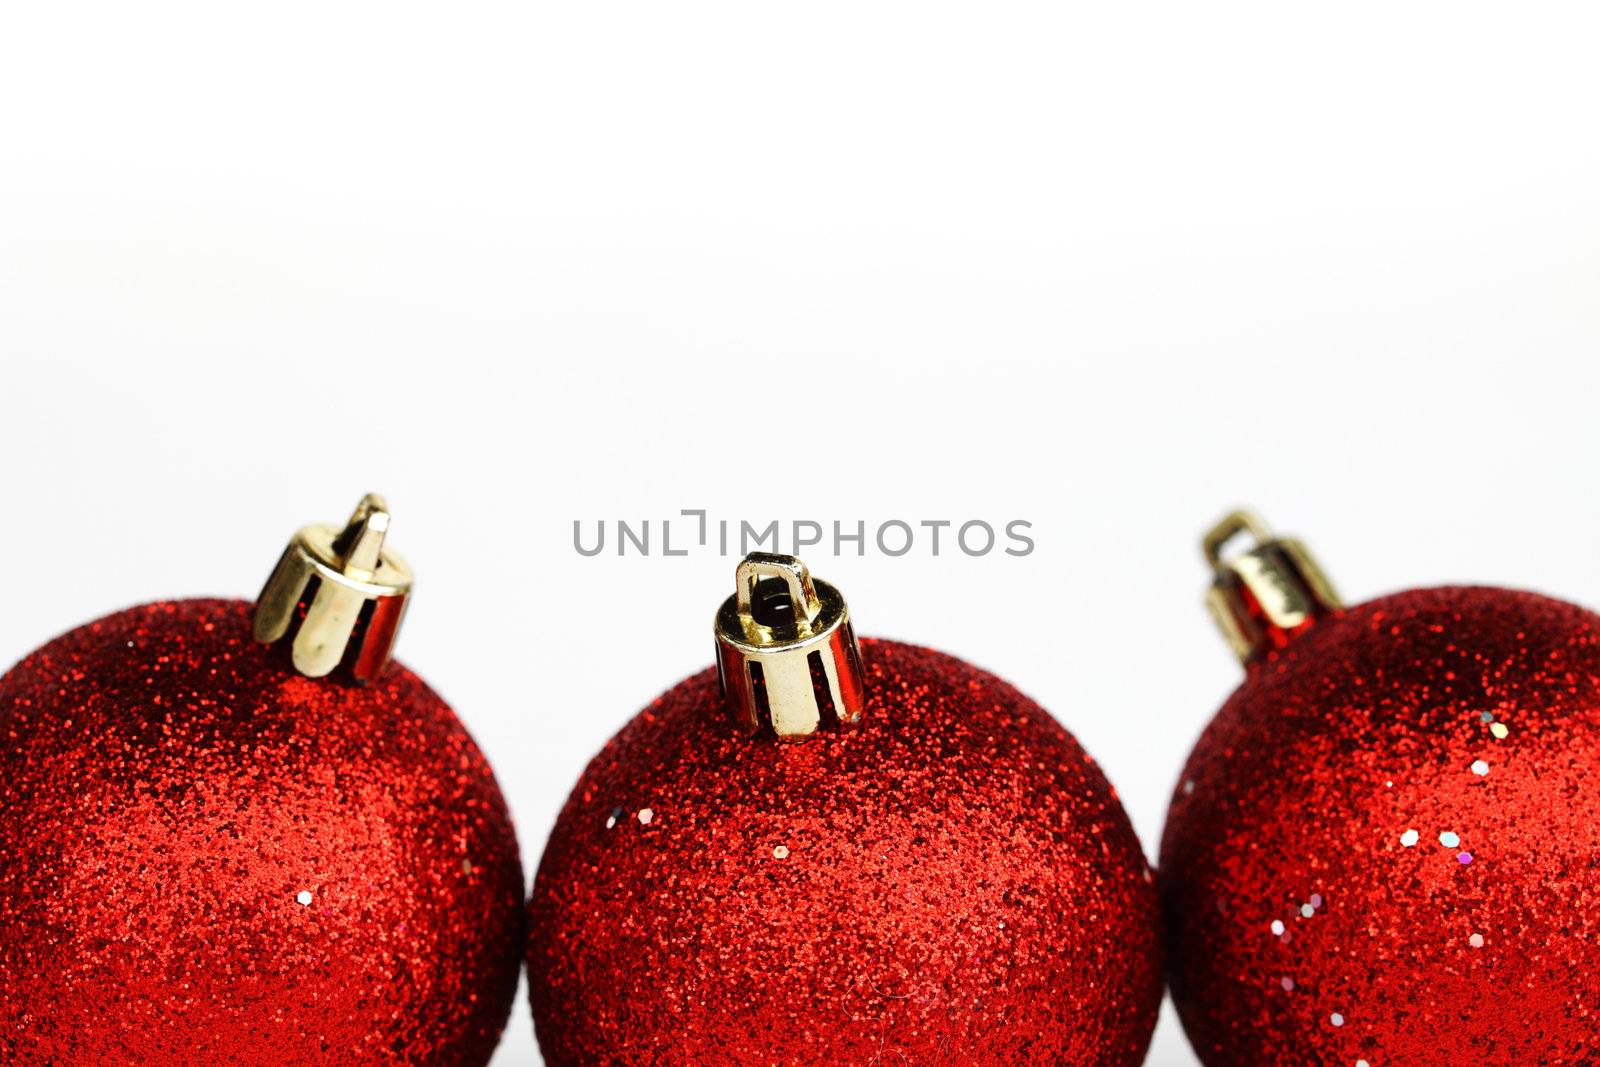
(1386, 847)
(208, 859)
(951, 882)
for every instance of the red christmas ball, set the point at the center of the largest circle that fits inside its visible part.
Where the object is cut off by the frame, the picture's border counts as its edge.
(953, 881)
(1384, 847)
(208, 858)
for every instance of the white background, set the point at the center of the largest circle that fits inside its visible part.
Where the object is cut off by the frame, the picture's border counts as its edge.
(1109, 268)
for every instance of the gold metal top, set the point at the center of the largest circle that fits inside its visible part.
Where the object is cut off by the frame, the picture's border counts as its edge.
(786, 651)
(1264, 596)
(340, 592)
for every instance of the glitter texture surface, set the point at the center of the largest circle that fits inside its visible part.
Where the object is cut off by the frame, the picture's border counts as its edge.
(207, 859)
(953, 882)
(1425, 767)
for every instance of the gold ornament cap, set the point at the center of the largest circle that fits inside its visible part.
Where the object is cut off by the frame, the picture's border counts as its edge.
(354, 591)
(1265, 595)
(786, 652)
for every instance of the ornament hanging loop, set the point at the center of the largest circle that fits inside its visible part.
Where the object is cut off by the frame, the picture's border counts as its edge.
(757, 568)
(1266, 595)
(786, 651)
(340, 592)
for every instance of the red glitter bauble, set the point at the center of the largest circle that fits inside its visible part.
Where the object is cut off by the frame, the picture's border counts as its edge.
(1386, 847)
(206, 858)
(951, 882)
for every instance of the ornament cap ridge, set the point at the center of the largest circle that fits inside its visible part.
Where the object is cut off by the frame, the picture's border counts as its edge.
(1263, 597)
(354, 590)
(786, 650)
